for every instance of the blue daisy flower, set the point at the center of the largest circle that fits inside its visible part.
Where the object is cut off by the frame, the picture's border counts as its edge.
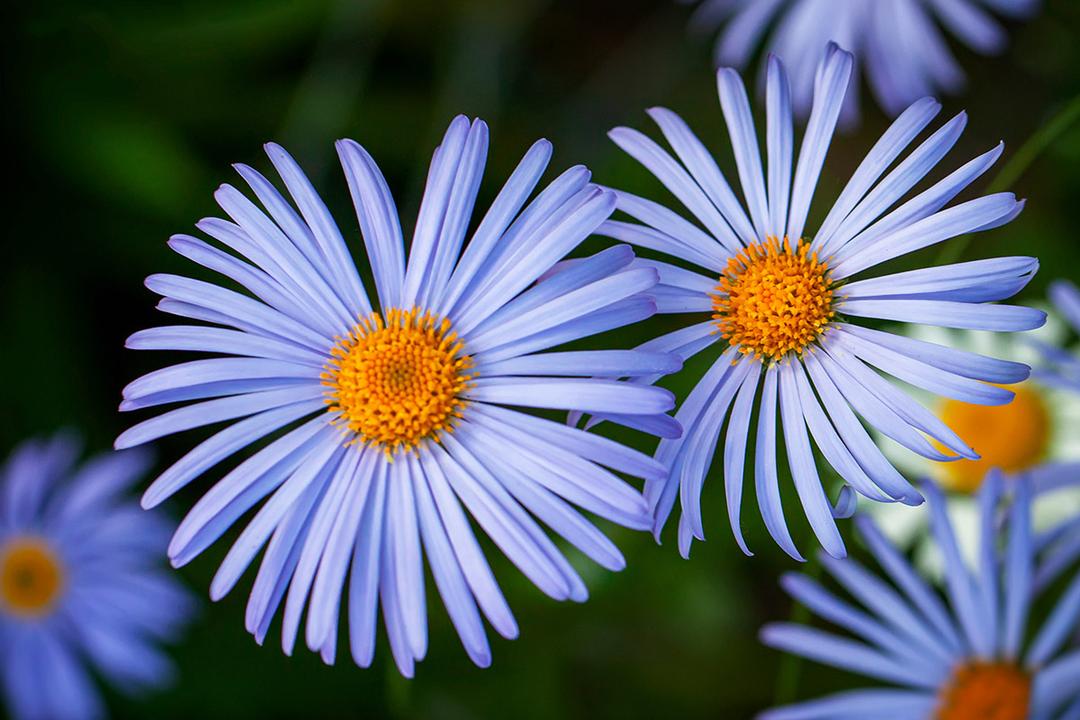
(782, 302)
(962, 659)
(401, 417)
(899, 43)
(80, 590)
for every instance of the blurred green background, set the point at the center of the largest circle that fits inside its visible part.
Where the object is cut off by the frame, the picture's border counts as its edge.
(124, 116)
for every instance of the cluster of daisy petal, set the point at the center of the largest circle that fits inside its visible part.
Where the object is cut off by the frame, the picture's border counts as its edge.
(370, 432)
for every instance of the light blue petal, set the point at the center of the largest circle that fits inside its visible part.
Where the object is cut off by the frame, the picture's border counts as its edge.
(881, 156)
(913, 586)
(738, 434)
(835, 71)
(707, 173)
(859, 704)
(589, 446)
(469, 555)
(921, 374)
(766, 483)
(674, 177)
(196, 338)
(779, 146)
(946, 313)
(966, 217)
(653, 238)
(346, 278)
(238, 491)
(958, 581)
(565, 308)
(505, 207)
(588, 395)
(449, 579)
(220, 446)
(378, 218)
(922, 205)
(845, 654)
(249, 312)
(585, 363)
(364, 575)
(616, 315)
(889, 607)
(1056, 684)
(215, 411)
(740, 125)
(801, 462)
(1019, 571)
(993, 278)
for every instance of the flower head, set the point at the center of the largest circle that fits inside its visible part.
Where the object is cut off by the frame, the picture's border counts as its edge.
(899, 44)
(79, 591)
(968, 657)
(786, 302)
(391, 429)
(1032, 436)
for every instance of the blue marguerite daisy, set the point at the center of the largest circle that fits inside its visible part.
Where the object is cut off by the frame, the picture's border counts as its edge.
(781, 302)
(969, 658)
(81, 589)
(402, 430)
(899, 43)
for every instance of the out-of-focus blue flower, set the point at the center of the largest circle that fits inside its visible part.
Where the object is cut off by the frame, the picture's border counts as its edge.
(784, 310)
(1061, 368)
(898, 43)
(398, 425)
(81, 590)
(969, 657)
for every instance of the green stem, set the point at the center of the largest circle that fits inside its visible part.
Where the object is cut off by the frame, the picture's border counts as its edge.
(1028, 153)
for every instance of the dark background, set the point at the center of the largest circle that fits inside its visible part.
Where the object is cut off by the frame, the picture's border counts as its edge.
(123, 117)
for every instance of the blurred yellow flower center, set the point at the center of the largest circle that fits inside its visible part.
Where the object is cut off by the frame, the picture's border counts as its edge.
(398, 380)
(985, 691)
(31, 577)
(772, 300)
(1011, 437)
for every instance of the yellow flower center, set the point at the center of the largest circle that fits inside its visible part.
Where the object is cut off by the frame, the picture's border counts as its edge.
(985, 691)
(397, 381)
(771, 300)
(31, 577)
(1012, 437)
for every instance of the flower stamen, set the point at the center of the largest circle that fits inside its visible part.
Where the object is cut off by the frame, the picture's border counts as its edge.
(772, 300)
(986, 691)
(31, 577)
(398, 381)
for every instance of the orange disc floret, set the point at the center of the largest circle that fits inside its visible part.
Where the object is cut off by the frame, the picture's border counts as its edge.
(771, 300)
(1013, 437)
(986, 691)
(31, 577)
(398, 380)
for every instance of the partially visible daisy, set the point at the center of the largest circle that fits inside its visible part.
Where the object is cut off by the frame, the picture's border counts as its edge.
(395, 421)
(1035, 434)
(782, 302)
(899, 44)
(972, 656)
(81, 589)
(1060, 370)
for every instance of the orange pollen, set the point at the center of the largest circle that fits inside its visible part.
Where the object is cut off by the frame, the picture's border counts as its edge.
(985, 691)
(397, 381)
(31, 577)
(1013, 437)
(771, 300)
